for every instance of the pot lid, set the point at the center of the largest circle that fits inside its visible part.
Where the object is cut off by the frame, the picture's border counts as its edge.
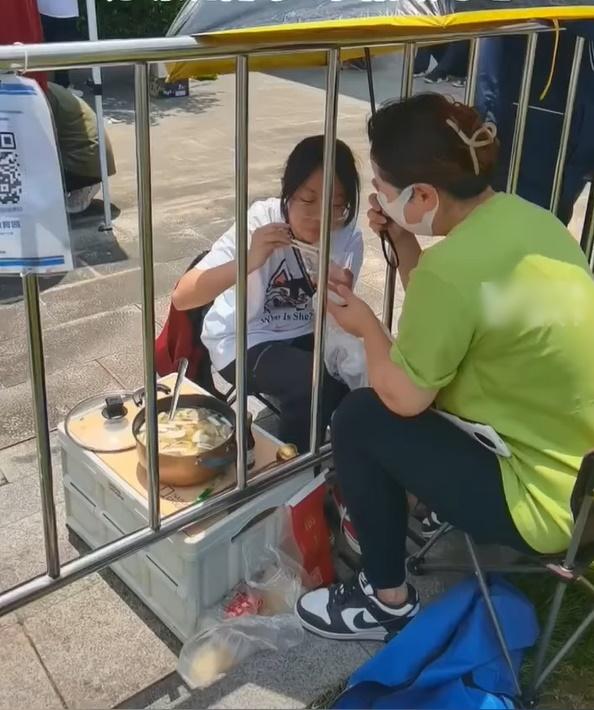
(103, 423)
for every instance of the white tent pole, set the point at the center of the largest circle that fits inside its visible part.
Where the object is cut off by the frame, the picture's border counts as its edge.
(98, 93)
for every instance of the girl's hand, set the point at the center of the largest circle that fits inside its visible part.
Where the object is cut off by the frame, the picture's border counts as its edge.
(337, 276)
(265, 240)
(355, 316)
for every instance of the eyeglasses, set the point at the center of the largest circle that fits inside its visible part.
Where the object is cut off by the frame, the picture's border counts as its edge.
(313, 210)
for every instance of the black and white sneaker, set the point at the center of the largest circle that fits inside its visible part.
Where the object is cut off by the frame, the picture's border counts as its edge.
(352, 611)
(430, 525)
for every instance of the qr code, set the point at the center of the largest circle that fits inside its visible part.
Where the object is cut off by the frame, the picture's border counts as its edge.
(11, 180)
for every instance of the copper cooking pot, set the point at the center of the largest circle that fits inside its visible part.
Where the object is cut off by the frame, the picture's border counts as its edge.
(194, 469)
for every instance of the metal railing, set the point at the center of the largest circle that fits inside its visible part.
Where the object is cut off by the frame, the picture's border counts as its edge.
(140, 53)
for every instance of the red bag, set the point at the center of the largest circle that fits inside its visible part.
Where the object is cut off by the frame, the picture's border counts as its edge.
(175, 342)
(311, 531)
(20, 22)
(182, 337)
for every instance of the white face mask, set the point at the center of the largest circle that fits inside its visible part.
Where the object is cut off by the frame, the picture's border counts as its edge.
(395, 210)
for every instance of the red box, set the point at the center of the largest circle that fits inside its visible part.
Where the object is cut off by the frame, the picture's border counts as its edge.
(311, 531)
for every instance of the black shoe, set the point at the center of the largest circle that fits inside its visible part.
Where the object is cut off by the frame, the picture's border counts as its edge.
(434, 77)
(430, 525)
(352, 611)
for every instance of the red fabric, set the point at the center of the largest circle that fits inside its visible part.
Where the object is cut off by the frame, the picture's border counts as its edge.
(311, 532)
(175, 342)
(20, 22)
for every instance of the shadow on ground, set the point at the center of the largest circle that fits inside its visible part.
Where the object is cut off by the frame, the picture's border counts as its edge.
(118, 99)
(91, 246)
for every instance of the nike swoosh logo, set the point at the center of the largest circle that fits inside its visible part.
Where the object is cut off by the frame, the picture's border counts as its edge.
(357, 619)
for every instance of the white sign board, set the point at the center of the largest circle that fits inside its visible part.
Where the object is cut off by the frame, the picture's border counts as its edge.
(34, 234)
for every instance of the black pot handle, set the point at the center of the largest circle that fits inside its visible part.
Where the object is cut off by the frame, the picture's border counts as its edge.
(138, 395)
(226, 457)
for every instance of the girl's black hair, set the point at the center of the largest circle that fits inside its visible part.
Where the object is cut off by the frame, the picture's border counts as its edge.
(412, 141)
(306, 157)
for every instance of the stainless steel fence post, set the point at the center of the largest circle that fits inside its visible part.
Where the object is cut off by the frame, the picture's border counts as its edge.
(471, 80)
(98, 94)
(406, 90)
(145, 233)
(574, 77)
(587, 239)
(523, 102)
(241, 236)
(44, 454)
(330, 120)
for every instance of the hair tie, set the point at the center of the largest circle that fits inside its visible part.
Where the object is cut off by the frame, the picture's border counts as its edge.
(474, 141)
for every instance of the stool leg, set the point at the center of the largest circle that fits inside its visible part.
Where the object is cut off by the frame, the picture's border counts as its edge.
(491, 609)
(545, 639)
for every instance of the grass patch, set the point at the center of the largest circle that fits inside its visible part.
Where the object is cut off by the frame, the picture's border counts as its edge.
(572, 684)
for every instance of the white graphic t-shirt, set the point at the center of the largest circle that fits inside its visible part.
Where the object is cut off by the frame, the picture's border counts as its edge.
(58, 8)
(279, 295)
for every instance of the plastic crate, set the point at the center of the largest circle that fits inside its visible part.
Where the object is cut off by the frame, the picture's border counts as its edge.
(182, 576)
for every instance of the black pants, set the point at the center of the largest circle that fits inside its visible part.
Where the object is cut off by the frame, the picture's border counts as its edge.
(452, 59)
(60, 29)
(76, 182)
(379, 456)
(283, 371)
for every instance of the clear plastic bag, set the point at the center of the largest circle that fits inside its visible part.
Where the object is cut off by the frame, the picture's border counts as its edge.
(209, 655)
(344, 356)
(257, 615)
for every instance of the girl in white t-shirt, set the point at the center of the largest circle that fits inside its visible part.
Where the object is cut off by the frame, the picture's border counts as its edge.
(280, 286)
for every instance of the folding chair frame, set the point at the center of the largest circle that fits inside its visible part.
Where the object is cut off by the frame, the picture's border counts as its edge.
(231, 396)
(568, 571)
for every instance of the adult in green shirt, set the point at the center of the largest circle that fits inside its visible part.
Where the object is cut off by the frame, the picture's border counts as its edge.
(497, 328)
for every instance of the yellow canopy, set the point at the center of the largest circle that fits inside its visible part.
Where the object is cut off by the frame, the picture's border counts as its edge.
(345, 31)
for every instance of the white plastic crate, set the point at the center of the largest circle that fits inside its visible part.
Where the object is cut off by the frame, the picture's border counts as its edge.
(179, 577)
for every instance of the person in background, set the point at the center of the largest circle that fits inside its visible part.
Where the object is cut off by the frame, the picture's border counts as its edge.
(281, 286)
(451, 63)
(78, 146)
(59, 19)
(497, 96)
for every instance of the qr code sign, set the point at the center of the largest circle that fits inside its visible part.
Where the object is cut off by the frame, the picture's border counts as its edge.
(11, 182)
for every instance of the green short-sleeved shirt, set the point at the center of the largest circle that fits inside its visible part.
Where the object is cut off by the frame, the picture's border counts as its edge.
(499, 317)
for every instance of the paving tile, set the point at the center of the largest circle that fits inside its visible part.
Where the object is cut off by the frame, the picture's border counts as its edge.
(106, 656)
(72, 343)
(23, 681)
(290, 680)
(8, 620)
(166, 693)
(20, 461)
(109, 293)
(23, 498)
(65, 389)
(13, 320)
(23, 551)
(126, 366)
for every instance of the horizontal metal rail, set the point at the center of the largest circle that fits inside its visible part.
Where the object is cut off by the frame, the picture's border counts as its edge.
(171, 49)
